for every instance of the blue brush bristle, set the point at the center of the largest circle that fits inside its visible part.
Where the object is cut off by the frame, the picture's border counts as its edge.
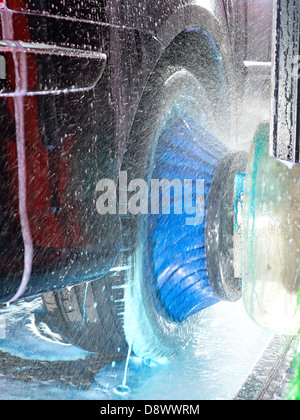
(177, 252)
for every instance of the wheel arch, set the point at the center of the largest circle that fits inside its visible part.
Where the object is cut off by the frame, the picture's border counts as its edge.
(209, 22)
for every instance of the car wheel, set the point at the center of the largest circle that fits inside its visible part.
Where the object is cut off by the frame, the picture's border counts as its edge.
(152, 298)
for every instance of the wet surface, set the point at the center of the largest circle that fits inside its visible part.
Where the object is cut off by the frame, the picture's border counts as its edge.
(36, 364)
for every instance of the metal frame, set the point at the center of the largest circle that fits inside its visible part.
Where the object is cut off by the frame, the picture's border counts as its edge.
(269, 378)
(284, 141)
(25, 48)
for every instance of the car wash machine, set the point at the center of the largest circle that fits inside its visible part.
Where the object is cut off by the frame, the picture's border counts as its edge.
(268, 217)
(250, 243)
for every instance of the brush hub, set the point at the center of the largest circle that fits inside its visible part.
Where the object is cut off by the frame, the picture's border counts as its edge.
(220, 228)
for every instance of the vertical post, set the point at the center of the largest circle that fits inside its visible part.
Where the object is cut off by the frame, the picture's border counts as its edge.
(284, 141)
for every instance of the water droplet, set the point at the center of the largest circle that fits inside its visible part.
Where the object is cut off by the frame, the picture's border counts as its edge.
(122, 390)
